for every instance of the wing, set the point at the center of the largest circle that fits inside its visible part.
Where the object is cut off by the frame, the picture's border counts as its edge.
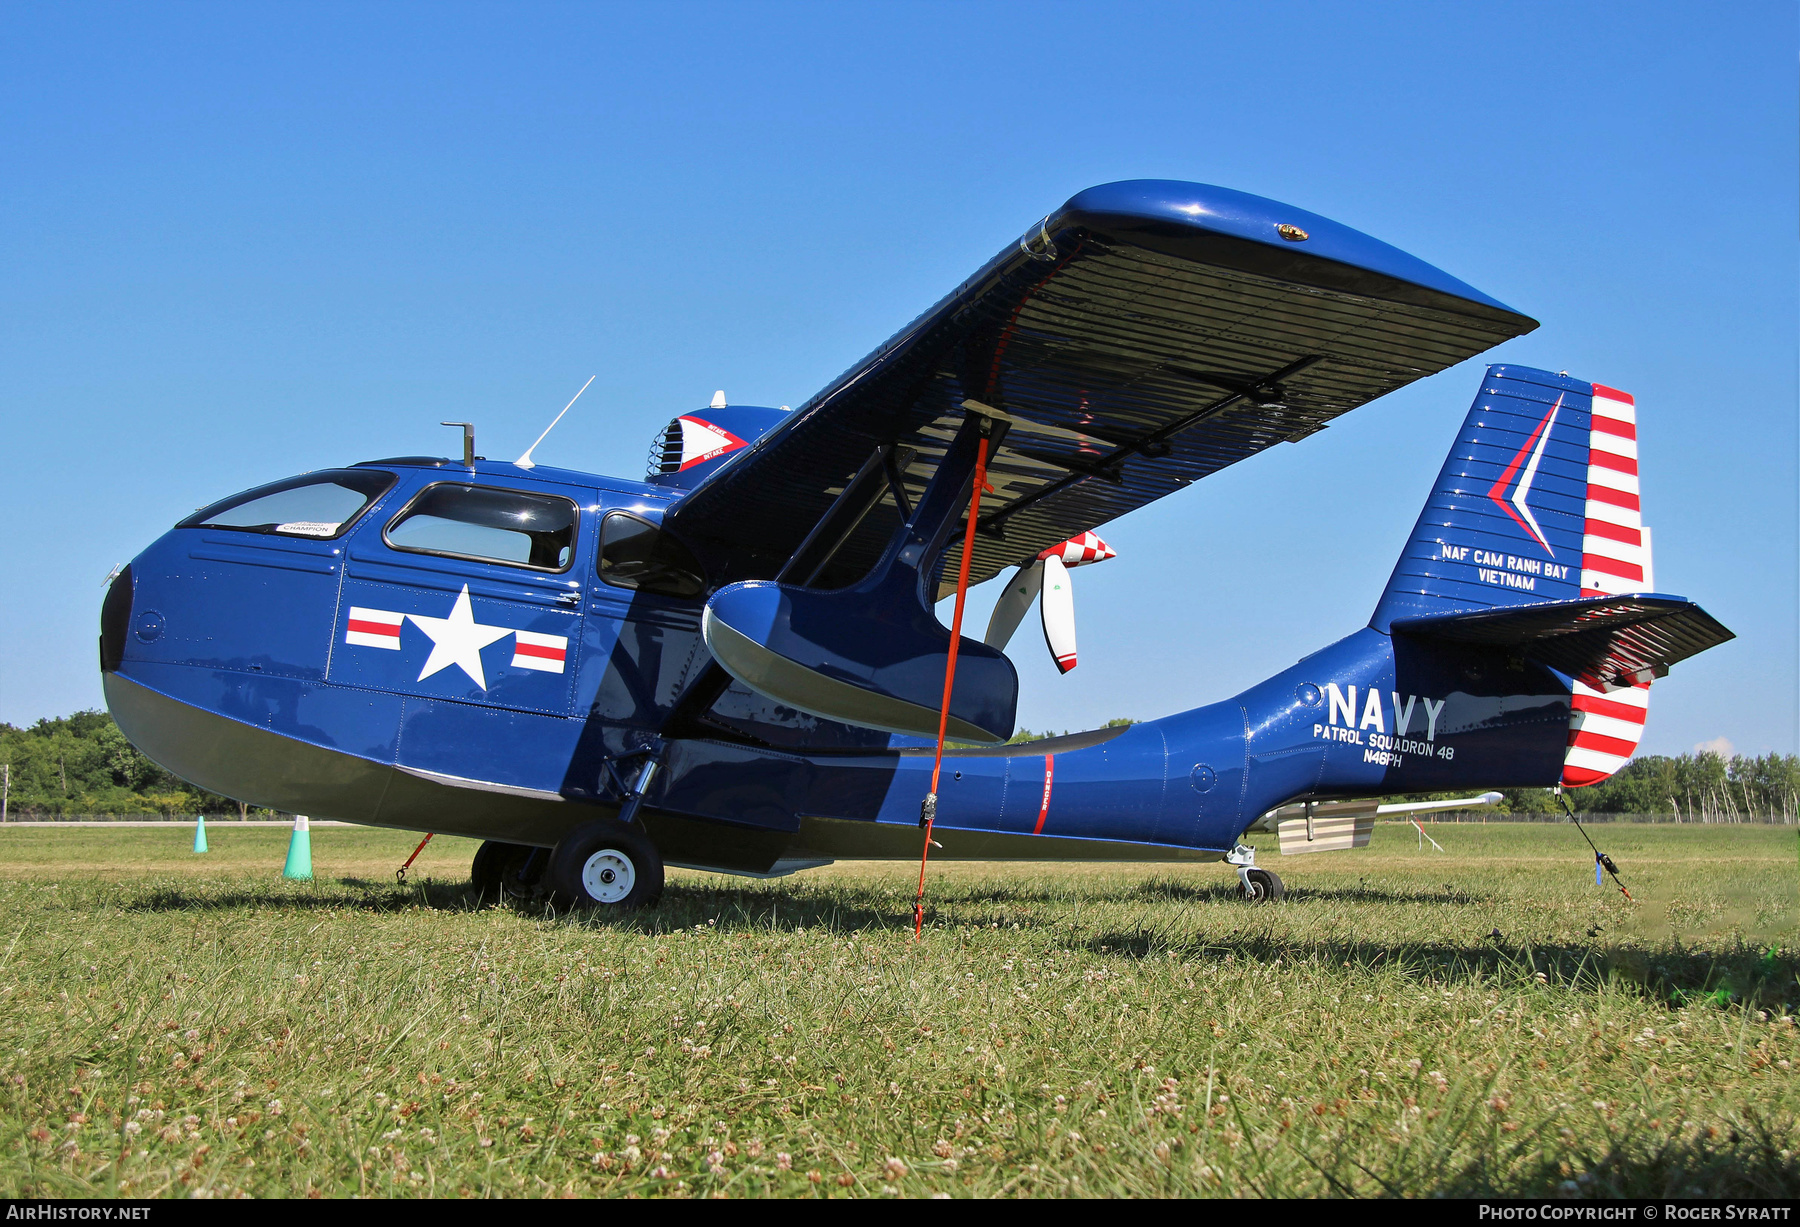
(1144, 335)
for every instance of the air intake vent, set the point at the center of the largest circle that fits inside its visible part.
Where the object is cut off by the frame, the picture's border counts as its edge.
(665, 450)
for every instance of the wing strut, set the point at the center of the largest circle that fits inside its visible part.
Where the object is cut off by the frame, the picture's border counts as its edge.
(928, 810)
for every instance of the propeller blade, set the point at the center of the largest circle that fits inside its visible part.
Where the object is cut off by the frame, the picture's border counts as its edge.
(1009, 610)
(1057, 605)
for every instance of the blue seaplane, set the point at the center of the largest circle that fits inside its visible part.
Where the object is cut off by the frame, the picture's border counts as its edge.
(734, 663)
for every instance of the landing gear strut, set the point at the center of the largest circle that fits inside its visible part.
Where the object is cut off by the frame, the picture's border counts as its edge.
(1259, 885)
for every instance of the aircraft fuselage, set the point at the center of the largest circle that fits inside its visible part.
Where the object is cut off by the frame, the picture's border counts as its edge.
(389, 676)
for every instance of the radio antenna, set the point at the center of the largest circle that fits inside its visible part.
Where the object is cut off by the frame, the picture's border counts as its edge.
(525, 461)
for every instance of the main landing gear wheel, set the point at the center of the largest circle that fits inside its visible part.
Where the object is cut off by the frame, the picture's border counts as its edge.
(606, 864)
(503, 871)
(1262, 886)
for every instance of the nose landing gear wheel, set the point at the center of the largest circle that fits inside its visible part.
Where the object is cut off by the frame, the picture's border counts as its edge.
(603, 864)
(1262, 886)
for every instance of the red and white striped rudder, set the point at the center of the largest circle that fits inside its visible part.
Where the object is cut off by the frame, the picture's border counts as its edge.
(1606, 726)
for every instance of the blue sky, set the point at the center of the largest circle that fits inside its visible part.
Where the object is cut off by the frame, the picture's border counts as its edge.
(240, 241)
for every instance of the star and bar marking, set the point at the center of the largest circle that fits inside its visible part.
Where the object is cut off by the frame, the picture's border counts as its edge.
(456, 640)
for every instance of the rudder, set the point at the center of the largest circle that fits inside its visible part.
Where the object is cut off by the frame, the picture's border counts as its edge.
(1605, 728)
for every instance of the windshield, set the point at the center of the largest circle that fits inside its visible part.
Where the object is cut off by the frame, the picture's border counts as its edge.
(321, 504)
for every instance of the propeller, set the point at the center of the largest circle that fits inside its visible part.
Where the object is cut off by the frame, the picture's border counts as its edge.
(1046, 580)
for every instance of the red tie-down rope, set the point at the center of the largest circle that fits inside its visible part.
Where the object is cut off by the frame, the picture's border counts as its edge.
(400, 873)
(928, 811)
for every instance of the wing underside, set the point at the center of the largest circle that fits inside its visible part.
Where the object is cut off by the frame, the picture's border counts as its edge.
(1134, 342)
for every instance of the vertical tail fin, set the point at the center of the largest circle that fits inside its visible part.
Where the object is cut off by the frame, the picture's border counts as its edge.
(1538, 502)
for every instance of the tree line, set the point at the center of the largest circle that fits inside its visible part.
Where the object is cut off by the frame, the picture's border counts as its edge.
(1698, 787)
(82, 764)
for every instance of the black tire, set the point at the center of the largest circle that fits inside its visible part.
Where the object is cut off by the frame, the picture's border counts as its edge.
(511, 872)
(1262, 886)
(607, 865)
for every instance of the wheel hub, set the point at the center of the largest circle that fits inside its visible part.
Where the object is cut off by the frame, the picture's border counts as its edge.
(608, 876)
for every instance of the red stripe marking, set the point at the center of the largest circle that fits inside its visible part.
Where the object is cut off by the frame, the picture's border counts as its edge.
(1044, 809)
(1587, 592)
(1601, 389)
(1612, 566)
(1613, 461)
(1609, 707)
(1615, 532)
(1602, 745)
(390, 629)
(1581, 777)
(1617, 498)
(1613, 426)
(532, 649)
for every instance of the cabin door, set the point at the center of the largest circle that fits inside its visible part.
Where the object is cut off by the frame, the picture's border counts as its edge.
(469, 594)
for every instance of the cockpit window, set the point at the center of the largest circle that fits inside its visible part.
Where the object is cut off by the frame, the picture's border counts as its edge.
(488, 524)
(635, 553)
(321, 505)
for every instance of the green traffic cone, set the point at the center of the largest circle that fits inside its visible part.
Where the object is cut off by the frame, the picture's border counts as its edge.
(200, 832)
(299, 858)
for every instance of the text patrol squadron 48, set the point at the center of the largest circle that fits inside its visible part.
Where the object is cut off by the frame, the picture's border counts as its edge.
(733, 664)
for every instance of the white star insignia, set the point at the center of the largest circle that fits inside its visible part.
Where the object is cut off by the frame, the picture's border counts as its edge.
(458, 640)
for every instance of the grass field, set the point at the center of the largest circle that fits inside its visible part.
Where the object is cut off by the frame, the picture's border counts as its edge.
(1482, 1020)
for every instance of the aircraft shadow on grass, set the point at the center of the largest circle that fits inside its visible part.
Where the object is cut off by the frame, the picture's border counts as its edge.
(1223, 892)
(1753, 1158)
(347, 894)
(1678, 977)
(1767, 975)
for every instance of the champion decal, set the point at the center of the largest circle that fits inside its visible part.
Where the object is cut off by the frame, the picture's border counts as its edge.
(456, 640)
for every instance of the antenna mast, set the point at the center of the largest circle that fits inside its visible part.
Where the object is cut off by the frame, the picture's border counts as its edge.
(468, 429)
(525, 461)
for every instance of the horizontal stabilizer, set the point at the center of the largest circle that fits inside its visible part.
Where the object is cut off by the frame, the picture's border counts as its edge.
(1608, 642)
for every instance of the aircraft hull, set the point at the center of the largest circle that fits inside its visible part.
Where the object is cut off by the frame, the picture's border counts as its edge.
(269, 769)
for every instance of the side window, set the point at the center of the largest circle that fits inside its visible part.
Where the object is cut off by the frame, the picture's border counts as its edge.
(487, 524)
(637, 554)
(322, 504)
